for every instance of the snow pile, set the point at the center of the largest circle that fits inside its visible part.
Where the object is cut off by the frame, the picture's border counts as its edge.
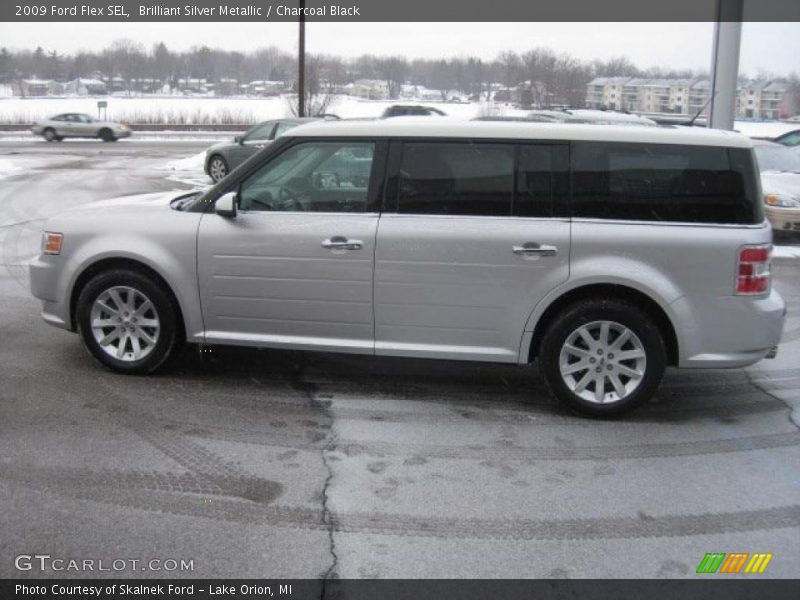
(190, 163)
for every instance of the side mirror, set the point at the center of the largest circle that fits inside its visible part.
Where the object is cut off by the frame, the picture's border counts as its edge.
(238, 139)
(225, 205)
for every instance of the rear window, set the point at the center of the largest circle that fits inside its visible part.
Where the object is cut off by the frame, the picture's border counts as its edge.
(665, 182)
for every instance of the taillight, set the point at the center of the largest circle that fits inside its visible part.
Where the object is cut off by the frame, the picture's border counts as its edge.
(752, 271)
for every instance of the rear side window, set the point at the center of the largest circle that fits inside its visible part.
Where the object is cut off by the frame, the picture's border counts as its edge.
(483, 179)
(664, 182)
(456, 179)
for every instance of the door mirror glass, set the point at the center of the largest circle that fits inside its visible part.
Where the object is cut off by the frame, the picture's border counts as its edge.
(226, 205)
(238, 139)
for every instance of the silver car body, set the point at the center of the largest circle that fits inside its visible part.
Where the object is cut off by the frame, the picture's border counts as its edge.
(421, 285)
(79, 125)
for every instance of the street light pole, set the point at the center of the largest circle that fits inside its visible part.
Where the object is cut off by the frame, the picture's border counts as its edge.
(725, 63)
(301, 64)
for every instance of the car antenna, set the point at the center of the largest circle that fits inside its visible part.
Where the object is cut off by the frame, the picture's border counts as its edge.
(690, 122)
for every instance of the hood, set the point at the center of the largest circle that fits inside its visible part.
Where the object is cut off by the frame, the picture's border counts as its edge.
(138, 201)
(220, 145)
(773, 182)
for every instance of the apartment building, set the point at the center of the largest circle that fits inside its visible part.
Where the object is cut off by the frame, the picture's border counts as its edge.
(754, 99)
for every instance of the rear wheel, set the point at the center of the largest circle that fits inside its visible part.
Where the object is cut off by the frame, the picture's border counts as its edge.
(603, 357)
(127, 321)
(50, 134)
(217, 168)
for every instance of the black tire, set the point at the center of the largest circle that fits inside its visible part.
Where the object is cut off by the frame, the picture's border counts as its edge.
(169, 338)
(587, 312)
(59, 138)
(107, 135)
(222, 165)
(49, 134)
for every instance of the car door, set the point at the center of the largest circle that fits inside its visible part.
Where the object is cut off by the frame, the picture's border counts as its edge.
(67, 127)
(478, 236)
(294, 268)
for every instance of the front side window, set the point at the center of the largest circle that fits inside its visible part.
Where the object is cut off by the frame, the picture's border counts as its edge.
(660, 182)
(313, 177)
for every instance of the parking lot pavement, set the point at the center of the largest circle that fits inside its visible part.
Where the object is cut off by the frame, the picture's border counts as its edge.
(259, 463)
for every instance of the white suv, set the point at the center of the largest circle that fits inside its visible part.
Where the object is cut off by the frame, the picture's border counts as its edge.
(606, 252)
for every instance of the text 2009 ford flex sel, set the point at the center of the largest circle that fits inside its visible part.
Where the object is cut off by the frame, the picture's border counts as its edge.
(606, 252)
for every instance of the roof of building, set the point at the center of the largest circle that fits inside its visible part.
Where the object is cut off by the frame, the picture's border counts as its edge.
(446, 127)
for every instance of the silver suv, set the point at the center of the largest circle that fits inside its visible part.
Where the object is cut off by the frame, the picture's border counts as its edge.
(606, 252)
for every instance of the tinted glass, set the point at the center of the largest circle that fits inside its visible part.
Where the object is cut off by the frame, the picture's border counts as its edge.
(456, 179)
(259, 133)
(542, 180)
(312, 177)
(659, 182)
(792, 139)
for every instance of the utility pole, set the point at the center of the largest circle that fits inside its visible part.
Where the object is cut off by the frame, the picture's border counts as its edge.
(725, 63)
(301, 63)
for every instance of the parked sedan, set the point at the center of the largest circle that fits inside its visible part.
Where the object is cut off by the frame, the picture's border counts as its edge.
(82, 125)
(780, 180)
(790, 138)
(222, 158)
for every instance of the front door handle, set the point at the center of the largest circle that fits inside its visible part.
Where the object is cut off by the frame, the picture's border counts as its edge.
(339, 242)
(534, 249)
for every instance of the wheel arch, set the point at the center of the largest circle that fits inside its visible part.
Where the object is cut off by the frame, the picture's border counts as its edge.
(606, 290)
(107, 264)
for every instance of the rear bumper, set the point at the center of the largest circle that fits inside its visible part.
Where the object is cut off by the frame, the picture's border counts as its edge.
(733, 331)
(123, 134)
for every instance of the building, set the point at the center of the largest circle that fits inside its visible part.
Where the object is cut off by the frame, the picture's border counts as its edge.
(754, 99)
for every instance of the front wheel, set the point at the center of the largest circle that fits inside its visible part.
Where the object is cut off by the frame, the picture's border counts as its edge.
(127, 321)
(107, 135)
(603, 357)
(49, 134)
(217, 168)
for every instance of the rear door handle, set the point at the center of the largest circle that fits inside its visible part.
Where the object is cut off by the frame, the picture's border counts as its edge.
(339, 242)
(534, 249)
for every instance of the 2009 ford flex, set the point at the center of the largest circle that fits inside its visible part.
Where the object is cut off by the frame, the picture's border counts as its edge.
(606, 252)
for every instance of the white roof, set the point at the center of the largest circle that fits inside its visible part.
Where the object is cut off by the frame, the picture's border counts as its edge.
(446, 127)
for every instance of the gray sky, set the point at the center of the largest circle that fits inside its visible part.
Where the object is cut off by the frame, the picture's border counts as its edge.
(769, 47)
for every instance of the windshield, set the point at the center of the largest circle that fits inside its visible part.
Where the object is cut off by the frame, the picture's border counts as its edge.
(776, 158)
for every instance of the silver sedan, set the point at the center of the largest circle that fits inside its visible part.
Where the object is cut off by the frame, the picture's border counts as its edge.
(58, 127)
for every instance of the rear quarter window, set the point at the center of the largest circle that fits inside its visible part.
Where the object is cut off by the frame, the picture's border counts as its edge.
(665, 182)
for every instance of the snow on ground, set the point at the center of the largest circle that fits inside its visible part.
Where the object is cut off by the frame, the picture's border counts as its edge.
(786, 251)
(8, 167)
(190, 163)
(766, 129)
(179, 109)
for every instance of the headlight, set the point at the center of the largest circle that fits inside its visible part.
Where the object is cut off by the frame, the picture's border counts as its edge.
(51, 242)
(782, 201)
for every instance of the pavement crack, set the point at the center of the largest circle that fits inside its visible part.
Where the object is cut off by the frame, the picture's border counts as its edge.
(793, 417)
(308, 388)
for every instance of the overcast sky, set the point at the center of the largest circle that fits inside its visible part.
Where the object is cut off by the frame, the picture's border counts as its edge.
(768, 47)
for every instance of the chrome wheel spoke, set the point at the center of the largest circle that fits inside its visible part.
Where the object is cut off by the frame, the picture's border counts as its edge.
(107, 339)
(125, 323)
(607, 354)
(633, 374)
(617, 383)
